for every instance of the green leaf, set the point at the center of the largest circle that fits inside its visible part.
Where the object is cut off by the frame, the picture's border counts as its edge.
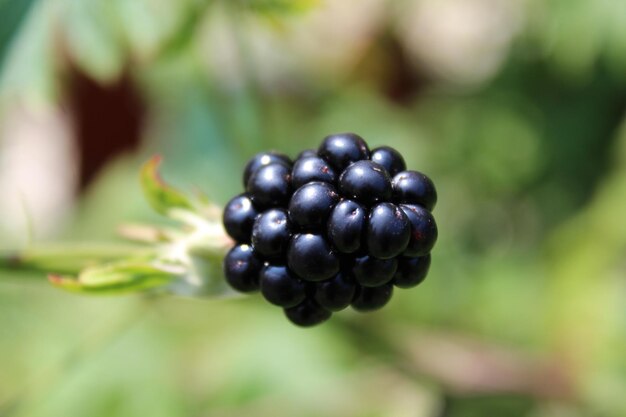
(93, 37)
(120, 277)
(28, 69)
(162, 197)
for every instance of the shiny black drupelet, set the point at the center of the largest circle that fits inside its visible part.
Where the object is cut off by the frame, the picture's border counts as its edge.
(340, 226)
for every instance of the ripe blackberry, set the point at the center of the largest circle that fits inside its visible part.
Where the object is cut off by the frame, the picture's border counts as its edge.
(242, 267)
(270, 233)
(311, 168)
(342, 149)
(423, 230)
(270, 186)
(311, 257)
(346, 226)
(366, 182)
(413, 187)
(335, 293)
(339, 226)
(262, 159)
(388, 231)
(306, 154)
(373, 272)
(311, 205)
(370, 299)
(280, 287)
(411, 271)
(238, 218)
(307, 314)
(389, 158)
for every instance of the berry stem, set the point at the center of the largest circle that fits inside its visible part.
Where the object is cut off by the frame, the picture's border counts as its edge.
(184, 260)
(69, 258)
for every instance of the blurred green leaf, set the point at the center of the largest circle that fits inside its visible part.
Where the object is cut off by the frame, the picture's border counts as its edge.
(575, 36)
(29, 68)
(93, 35)
(148, 24)
(12, 14)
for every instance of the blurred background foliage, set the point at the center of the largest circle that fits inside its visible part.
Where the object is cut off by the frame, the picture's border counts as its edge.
(516, 109)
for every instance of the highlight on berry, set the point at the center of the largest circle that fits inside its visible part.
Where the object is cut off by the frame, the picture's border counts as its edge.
(339, 226)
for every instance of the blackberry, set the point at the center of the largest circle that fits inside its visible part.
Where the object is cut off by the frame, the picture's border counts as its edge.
(270, 233)
(311, 257)
(270, 186)
(242, 267)
(280, 287)
(389, 158)
(346, 226)
(238, 218)
(342, 149)
(370, 299)
(307, 314)
(339, 226)
(366, 182)
(311, 205)
(335, 293)
(411, 271)
(262, 159)
(312, 168)
(372, 272)
(413, 187)
(423, 230)
(388, 231)
(307, 153)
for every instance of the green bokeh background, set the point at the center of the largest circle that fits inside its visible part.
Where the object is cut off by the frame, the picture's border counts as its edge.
(527, 289)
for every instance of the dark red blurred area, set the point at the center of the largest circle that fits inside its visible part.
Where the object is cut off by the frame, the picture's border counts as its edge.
(108, 119)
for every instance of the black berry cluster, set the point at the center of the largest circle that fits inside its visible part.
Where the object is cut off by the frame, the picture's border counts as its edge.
(339, 226)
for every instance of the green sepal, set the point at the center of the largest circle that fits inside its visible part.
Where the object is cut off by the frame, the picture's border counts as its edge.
(161, 196)
(119, 277)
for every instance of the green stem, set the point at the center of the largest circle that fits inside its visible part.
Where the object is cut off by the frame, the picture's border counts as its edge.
(69, 258)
